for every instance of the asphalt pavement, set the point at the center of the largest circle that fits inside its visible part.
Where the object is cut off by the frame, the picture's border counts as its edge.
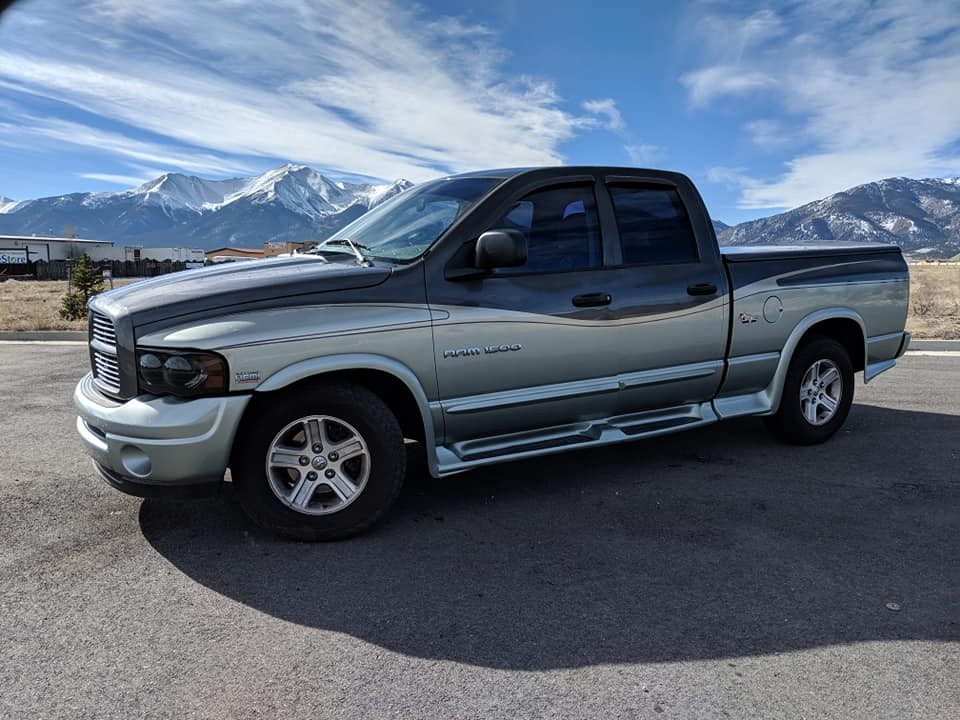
(709, 574)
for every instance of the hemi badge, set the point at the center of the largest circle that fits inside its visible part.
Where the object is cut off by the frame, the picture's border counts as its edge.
(247, 376)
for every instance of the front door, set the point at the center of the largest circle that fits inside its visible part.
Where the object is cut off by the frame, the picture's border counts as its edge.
(532, 346)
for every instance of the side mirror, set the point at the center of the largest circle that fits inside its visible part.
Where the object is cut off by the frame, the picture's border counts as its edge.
(501, 248)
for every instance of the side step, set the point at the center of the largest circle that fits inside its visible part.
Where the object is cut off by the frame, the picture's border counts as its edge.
(467, 454)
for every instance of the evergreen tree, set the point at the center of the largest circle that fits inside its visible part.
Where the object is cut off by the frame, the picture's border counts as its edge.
(85, 282)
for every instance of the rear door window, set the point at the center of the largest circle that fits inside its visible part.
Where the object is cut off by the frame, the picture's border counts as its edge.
(654, 225)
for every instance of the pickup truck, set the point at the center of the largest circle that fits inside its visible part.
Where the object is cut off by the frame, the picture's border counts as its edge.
(488, 316)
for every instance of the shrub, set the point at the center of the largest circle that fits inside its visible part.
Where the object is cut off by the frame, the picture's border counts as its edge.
(85, 282)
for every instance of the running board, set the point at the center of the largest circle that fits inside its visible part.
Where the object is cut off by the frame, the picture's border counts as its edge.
(467, 454)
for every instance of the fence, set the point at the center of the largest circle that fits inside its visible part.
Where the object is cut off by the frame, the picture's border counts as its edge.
(60, 269)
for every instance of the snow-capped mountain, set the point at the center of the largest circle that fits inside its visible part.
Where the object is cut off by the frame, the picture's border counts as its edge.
(6, 204)
(291, 202)
(921, 216)
(719, 226)
(183, 192)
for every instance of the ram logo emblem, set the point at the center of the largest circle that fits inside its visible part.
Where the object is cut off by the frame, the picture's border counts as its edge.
(484, 350)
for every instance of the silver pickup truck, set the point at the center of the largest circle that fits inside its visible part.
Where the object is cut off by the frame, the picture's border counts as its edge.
(489, 316)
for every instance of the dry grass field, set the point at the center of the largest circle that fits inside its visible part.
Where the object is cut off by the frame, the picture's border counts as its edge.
(32, 305)
(934, 303)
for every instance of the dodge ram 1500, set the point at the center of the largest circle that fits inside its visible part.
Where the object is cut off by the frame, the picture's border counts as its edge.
(490, 316)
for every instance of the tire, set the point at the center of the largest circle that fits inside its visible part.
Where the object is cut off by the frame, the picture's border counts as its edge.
(804, 416)
(273, 462)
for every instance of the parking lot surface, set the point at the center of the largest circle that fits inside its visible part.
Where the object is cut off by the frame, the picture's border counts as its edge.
(710, 574)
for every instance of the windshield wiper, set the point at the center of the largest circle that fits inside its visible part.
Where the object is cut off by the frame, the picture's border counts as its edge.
(354, 246)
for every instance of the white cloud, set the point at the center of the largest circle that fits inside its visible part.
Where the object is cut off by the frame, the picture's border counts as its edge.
(125, 180)
(730, 177)
(367, 88)
(713, 82)
(761, 26)
(27, 131)
(767, 133)
(609, 117)
(644, 155)
(607, 109)
(867, 91)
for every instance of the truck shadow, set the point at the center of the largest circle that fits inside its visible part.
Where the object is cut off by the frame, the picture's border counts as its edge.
(713, 543)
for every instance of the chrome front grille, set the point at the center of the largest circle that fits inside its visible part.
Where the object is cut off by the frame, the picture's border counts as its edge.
(101, 328)
(106, 371)
(103, 354)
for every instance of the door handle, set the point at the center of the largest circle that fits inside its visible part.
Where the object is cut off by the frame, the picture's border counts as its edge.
(702, 289)
(592, 299)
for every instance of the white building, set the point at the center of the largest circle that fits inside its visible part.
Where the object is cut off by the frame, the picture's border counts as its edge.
(31, 248)
(176, 254)
(16, 249)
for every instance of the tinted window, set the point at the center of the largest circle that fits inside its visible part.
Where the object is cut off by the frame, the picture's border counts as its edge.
(561, 228)
(654, 227)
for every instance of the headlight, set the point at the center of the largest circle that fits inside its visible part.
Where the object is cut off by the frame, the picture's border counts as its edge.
(186, 373)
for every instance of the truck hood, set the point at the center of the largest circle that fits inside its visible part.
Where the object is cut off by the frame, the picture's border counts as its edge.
(254, 284)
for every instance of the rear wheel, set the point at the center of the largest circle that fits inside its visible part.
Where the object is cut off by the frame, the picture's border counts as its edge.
(817, 393)
(324, 462)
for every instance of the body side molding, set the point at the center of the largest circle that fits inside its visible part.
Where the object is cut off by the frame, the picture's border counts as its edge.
(591, 386)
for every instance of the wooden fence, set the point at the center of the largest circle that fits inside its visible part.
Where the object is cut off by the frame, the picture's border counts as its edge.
(60, 269)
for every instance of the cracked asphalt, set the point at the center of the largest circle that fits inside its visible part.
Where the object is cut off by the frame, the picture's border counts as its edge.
(709, 574)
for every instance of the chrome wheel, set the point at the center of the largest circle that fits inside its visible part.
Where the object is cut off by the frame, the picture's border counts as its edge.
(318, 465)
(820, 392)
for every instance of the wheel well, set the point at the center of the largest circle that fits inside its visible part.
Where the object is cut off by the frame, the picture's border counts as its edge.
(845, 331)
(391, 389)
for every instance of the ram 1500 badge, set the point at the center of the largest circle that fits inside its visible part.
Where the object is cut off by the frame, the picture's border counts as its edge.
(489, 316)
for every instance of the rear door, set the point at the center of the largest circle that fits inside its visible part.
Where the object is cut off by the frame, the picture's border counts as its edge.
(671, 293)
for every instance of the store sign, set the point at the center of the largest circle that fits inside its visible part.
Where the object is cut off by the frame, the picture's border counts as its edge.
(13, 257)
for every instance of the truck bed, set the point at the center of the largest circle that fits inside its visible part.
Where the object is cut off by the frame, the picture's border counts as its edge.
(778, 292)
(769, 267)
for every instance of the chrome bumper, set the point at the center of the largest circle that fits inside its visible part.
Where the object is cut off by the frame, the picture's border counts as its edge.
(158, 440)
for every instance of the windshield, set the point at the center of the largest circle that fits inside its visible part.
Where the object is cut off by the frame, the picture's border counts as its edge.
(401, 229)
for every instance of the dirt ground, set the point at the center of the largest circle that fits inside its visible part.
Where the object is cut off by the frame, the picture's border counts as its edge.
(934, 303)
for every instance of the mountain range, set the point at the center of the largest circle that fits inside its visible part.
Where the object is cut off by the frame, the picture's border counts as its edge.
(295, 202)
(921, 216)
(291, 202)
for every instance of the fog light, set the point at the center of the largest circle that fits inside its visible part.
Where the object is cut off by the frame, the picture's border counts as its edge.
(135, 461)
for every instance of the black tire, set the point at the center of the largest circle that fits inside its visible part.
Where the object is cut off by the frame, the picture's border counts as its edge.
(354, 404)
(789, 423)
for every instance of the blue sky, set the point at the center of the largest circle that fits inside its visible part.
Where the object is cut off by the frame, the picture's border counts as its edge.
(764, 106)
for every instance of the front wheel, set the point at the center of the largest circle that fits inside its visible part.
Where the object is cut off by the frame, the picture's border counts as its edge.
(817, 393)
(321, 463)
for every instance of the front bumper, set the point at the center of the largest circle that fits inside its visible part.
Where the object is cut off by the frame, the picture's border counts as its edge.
(158, 441)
